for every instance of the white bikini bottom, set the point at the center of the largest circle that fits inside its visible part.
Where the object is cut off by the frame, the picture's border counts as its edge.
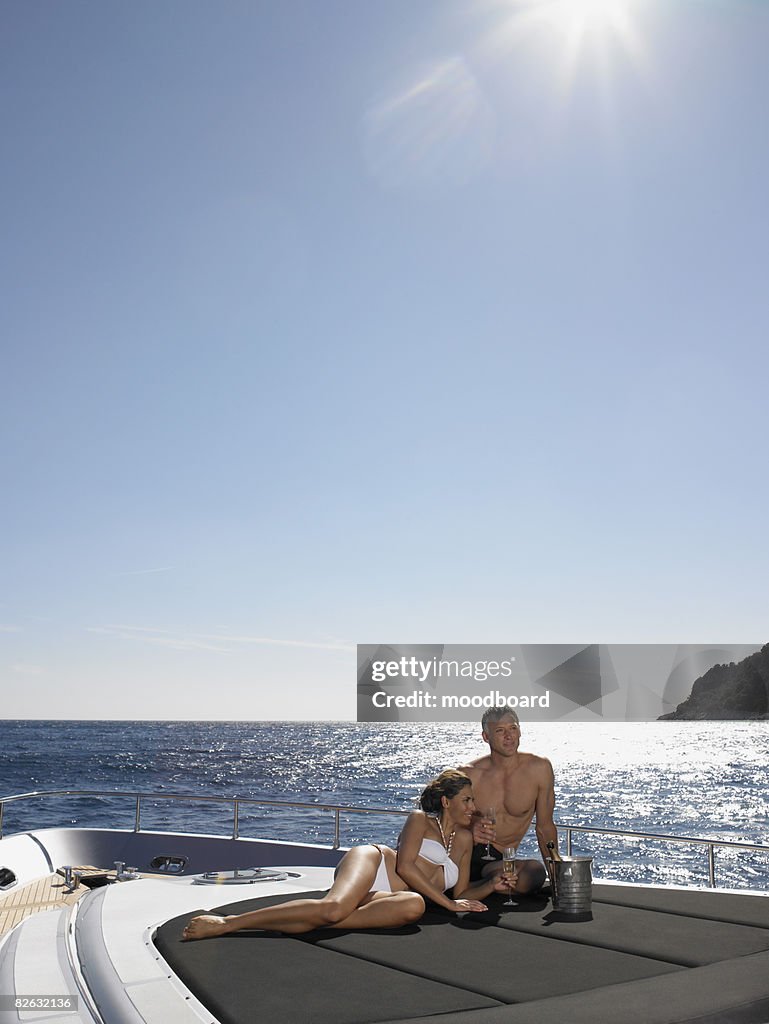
(381, 882)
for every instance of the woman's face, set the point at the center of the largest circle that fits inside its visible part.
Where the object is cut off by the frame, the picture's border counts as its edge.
(461, 807)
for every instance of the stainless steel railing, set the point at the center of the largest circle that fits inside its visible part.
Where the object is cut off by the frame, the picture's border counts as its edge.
(235, 802)
(338, 809)
(709, 844)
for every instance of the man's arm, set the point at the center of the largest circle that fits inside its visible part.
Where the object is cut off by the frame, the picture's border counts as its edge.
(545, 827)
(483, 831)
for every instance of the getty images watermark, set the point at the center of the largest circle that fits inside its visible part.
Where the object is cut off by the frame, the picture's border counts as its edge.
(436, 668)
(422, 670)
(439, 681)
(542, 682)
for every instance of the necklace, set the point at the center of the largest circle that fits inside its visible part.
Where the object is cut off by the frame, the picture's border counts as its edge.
(443, 837)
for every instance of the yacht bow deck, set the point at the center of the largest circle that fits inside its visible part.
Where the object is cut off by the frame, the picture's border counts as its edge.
(642, 957)
(48, 893)
(647, 955)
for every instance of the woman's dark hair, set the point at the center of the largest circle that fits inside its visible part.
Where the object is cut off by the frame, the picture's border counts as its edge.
(447, 784)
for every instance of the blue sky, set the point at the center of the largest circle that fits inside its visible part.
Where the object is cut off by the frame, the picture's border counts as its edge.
(340, 322)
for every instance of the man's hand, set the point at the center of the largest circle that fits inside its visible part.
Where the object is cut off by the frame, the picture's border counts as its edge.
(483, 831)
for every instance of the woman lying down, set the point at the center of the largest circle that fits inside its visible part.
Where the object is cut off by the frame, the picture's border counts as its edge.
(377, 887)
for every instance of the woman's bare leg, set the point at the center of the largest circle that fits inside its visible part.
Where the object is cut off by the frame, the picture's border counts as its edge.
(385, 910)
(343, 905)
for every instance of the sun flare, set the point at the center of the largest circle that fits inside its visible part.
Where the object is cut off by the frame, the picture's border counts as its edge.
(579, 17)
(573, 34)
(581, 14)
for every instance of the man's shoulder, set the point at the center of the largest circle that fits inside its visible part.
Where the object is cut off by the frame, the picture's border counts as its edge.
(480, 764)
(535, 763)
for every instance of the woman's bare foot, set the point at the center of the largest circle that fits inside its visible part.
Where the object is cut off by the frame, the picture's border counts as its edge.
(205, 927)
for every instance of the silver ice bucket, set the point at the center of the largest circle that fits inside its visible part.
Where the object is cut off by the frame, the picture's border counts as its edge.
(572, 881)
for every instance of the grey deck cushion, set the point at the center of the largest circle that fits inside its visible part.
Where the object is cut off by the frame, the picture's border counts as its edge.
(730, 992)
(630, 963)
(500, 963)
(674, 938)
(267, 977)
(718, 906)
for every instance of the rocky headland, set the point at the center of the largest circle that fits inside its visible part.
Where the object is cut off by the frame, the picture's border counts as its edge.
(738, 690)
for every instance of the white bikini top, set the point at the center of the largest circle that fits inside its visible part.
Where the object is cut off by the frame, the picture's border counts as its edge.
(434, 852)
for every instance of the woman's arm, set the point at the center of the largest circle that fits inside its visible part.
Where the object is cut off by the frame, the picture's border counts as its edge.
(480, 890)
(409, 845)
(463, 846)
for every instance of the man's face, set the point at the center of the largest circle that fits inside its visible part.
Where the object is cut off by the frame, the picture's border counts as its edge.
(503, 736)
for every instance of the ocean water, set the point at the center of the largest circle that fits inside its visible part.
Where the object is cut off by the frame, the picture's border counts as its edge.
(688, 779)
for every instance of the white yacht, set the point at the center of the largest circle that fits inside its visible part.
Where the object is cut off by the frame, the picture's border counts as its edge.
(91, 921)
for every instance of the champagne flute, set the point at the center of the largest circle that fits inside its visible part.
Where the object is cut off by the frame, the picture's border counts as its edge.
(508, 870)
(491, 816)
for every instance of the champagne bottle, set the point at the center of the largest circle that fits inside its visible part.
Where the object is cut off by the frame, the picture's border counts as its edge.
(554, 856)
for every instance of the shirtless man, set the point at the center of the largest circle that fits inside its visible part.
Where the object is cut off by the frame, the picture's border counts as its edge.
(518, 786)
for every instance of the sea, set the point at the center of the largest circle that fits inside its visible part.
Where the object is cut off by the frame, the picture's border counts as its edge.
(694, 780)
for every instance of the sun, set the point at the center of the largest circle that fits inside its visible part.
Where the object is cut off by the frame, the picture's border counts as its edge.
(577, 17)
(572, 34)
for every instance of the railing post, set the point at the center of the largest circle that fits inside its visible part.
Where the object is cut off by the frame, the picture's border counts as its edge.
(137, 819)
(712, 865)
(2, 807)
(336, 829)
(568, 842)
(235, 817)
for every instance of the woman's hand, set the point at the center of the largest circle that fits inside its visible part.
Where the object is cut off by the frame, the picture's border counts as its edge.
(473, 905)
(505, 883)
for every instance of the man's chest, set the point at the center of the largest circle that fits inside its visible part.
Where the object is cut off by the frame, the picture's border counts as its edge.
(514, 794)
